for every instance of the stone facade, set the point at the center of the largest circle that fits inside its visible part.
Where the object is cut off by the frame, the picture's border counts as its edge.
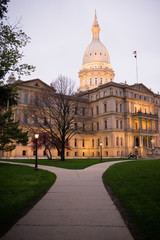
(120, 116)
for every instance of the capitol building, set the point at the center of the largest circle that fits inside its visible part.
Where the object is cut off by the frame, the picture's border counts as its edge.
(120, 118)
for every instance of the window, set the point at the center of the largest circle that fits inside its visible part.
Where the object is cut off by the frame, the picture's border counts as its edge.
(98, 142)
(121, 107)
(36, 100)
(67, 154)
(92, 111)
(97, 96)
(44, 153)
(97, 110)
(83, 126)
(25, 118)
(90, 81)
(97, 125)
(117, 124)
(120, 93)
(117, 141)
(101, 80)
(95, 81)
(92, 127)
(105, 93)
(106, 141)
(83, 143)
(25, 98)
(120, 124)
(98, 154)
(83, 154)
(135, 109)
(106, 153)
(75, 125)
(105, 107)
(121, 141)
(92, 154)
(116, 107)
(76, 109)
(92, 142)
(116, 92)
(76, 154)
(105, 124)
(24, 152)
(75, 142)
(83, 111)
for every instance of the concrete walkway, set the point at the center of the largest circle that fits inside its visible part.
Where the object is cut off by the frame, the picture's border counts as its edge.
(77, 207)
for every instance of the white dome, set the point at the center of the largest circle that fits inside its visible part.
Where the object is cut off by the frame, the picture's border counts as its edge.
(96, 52)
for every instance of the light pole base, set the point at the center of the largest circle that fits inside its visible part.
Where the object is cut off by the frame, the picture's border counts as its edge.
(35, 168)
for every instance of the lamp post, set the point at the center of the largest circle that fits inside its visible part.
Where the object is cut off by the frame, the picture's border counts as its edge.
(136, 152)
(36, 162)
(101, 150)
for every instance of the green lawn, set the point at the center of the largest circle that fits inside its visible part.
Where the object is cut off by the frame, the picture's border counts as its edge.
(137, 186)
(20, 188)
(68, 163)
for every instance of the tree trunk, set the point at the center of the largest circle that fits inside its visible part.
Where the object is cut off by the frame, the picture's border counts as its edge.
(50, 153)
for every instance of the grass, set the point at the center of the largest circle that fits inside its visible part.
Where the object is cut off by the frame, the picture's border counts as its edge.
(68, 163)
(137, 186)
(20, 188)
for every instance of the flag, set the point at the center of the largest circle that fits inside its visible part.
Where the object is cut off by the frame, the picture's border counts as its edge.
(135, 54)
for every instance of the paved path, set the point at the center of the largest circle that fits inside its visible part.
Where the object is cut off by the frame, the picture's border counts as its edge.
(77, 207)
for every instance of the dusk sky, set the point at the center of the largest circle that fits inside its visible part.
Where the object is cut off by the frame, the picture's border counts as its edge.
(60, 32)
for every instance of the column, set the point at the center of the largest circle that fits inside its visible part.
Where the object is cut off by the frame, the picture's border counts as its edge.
(147, 141)
(140, 123)
(151, 125)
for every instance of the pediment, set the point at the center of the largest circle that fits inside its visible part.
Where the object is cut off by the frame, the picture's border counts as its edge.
(141, 87)
(35, 83)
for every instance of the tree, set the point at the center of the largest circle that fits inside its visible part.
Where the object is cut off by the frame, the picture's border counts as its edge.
(12, 39)
(45, 141)
(10, 133)
(55, 112)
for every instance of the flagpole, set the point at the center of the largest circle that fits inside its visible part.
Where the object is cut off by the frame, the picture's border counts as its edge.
(136, 68)
(135, 55)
